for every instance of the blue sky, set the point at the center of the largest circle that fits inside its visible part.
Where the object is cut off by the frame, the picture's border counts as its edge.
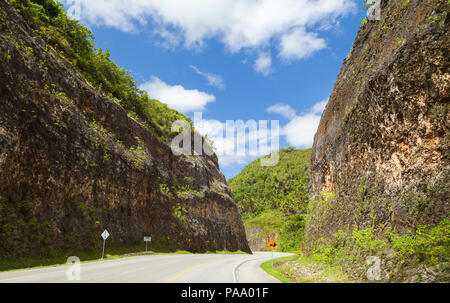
(229, 59)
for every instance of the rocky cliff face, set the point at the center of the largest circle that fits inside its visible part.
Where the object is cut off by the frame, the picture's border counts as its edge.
(72, 163)
(382, 146)
(258, 237)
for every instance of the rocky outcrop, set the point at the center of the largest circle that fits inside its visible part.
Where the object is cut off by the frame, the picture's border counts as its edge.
(382, 146)
(72, 163)
(258, 237)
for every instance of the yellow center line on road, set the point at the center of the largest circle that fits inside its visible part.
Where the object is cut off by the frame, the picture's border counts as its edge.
(170, 280)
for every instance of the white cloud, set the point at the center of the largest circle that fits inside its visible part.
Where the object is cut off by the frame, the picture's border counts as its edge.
(213, 80)
(301, 129)
(299, 132)
(245, 24)
(319, 107)
(283, 109)
(177, 97)
(263, 64)
(299, 44)
(227, 147)
(170, 40)
(210, 128)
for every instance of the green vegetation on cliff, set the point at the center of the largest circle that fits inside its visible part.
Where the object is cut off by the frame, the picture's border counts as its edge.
(283, 187)
(419, 255)
(76, 43)
(275, 199)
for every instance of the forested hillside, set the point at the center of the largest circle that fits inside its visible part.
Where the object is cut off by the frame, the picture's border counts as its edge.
(273, 200)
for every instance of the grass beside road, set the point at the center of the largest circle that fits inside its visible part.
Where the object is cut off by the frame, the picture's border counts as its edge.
(304, 269)
(86, 257)
(274, 271)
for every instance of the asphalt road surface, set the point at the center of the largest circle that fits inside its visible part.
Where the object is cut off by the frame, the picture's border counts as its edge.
(195, 268)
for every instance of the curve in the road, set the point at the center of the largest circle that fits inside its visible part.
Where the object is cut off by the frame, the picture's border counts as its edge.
(189, 268)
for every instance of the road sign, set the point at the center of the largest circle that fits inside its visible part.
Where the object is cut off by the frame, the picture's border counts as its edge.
(146, 240)
(105, 234)
(272, 244)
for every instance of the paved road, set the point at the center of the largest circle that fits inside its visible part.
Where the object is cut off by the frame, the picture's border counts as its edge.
(214, 268)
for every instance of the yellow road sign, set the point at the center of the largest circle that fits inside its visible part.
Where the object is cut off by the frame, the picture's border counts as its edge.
(272, 244)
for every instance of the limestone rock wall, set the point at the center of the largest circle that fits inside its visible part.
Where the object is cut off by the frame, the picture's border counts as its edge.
(382, 147)
(72, 163)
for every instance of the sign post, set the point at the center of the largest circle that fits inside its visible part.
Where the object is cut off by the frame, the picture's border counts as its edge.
(272, 245)
(105, 235)
(146, 240)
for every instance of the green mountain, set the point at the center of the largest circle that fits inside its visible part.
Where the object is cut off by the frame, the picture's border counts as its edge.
(273, 200)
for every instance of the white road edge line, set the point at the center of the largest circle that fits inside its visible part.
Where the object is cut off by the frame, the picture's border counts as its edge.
(1, 281)
(235, 269)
